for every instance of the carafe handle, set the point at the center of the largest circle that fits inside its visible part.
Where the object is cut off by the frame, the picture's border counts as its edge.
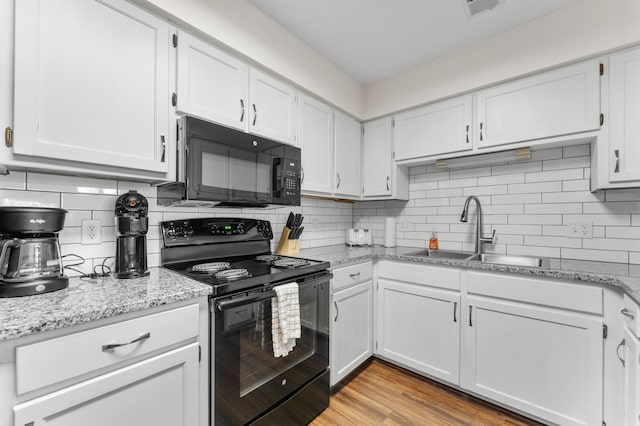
(3, 254)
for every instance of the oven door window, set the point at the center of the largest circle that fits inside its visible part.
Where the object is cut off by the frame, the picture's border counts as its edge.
(248, 378)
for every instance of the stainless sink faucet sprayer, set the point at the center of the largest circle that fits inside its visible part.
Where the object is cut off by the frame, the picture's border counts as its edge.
(479, 238)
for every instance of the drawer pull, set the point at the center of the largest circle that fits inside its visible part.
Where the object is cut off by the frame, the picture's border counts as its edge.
(356, 275)
(470, 316)
(455, 308)
(627, 314)
(112, 346)
(621, 344)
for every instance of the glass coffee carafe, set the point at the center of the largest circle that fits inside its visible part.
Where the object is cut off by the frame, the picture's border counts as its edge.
(27, 259)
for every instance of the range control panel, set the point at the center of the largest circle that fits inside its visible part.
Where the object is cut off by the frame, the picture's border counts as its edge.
(214, 230)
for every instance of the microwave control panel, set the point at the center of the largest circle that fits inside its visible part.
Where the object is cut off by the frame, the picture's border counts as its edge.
(290, 179)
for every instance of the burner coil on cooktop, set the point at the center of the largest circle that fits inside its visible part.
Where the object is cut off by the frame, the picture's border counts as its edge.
(210, 268)
(290, 263)
(232, 274)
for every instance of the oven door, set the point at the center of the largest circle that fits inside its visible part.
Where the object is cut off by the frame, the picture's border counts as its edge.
(248, 379)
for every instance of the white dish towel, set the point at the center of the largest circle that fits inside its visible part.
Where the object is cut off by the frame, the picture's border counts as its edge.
(285, 319)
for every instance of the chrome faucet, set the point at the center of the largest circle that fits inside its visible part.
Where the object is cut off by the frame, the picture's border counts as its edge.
(479, 238)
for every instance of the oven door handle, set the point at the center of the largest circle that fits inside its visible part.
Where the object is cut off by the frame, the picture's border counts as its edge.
(232, 303)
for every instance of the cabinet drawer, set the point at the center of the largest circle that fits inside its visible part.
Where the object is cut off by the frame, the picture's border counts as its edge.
(51, 361)
(631, 315)
(541, 291)
(421, 273)
(349, 275)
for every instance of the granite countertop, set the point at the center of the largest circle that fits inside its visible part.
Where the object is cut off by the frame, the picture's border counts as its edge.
(623, 276)
(90, 299)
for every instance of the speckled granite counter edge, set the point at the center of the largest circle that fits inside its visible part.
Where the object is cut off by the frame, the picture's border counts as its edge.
(95, 299)
(340, 256)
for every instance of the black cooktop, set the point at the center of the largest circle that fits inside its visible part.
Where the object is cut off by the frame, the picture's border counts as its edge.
(261, 273)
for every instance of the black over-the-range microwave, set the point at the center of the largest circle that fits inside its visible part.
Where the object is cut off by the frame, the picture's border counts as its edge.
(223, 167)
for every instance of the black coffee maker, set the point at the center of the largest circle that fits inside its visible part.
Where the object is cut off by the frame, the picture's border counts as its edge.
(30, 261)
(131, 246)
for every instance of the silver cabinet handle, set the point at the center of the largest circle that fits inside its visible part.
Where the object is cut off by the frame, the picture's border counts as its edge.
(255, 114)
(621, 344)
(470, 316)
(241, 110)
(337, 311)
(480, 131)
(627, 314)
(455, 308)
(164, 149)
(356, 275)
(467, 131)
(338, 176)
(388, 183)
(616, 169)
(112, 346)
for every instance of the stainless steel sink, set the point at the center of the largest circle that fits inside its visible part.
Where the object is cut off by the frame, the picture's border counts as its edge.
(501, 259)
(446, 254)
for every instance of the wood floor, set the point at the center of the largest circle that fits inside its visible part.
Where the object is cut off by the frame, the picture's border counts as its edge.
(382, 394)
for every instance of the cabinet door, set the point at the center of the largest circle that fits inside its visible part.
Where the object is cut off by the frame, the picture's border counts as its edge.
(160, 391)
(212, 85)
(631, 347)
(377, 161)
(348, 143)
(624, 139)
(419, 326)
(273, 107)
(440, 128)
(316, 143)
(351, 329)
(91, 83)
(554, 103)
(542, 361)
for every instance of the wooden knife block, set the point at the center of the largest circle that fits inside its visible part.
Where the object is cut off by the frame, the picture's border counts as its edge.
(287, 247)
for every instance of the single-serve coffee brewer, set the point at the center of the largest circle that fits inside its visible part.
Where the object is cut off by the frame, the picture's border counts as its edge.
(131, 245)
(30, 261)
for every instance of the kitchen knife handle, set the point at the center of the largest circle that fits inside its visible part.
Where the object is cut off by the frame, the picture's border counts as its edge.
(241, 110)
(112, 346)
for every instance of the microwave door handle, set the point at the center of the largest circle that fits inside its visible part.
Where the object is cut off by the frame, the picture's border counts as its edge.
(277, 184)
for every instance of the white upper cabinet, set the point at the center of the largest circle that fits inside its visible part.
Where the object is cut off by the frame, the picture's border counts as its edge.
(316, 142)
(91, 83)
(215, 86)
(348, 153)
(273, 107)
(440, 128)
(624, 122)
(382, 179)
(554, 103)
(212, 85)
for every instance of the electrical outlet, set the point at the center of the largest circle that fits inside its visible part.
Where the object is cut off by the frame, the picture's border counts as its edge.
(580, 230)
(91, 231)
(404, 226)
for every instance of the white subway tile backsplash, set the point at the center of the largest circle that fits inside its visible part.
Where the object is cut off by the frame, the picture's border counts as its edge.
(528, 188)
(576, 151)
(614, 207)
(516, 168)
(623, 232)
(501, 179)
(546, 241)
(566, 163)
(573, 197)
(440, 193)
(543, 219)
(566, 208)
(533, 251)
(516, 199)
(9, 197)
(618, 244)
(518, 229)
(576, 185)
(632, 194)
(84, 202)
(595, 255)
(70, 184)
(600, 219)
(470, 173)
(14, 180)
(457, 183)
(556, 175)
(486, 190)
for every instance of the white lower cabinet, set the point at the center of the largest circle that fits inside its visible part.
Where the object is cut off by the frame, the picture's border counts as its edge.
(160, 391)
(628, 352)
(544, 362)
(351, 327)
(418, 314)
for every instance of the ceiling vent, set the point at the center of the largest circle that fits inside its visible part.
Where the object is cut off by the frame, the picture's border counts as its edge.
(474, 7)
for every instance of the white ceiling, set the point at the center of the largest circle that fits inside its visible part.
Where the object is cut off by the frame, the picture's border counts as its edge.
(372, 39)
